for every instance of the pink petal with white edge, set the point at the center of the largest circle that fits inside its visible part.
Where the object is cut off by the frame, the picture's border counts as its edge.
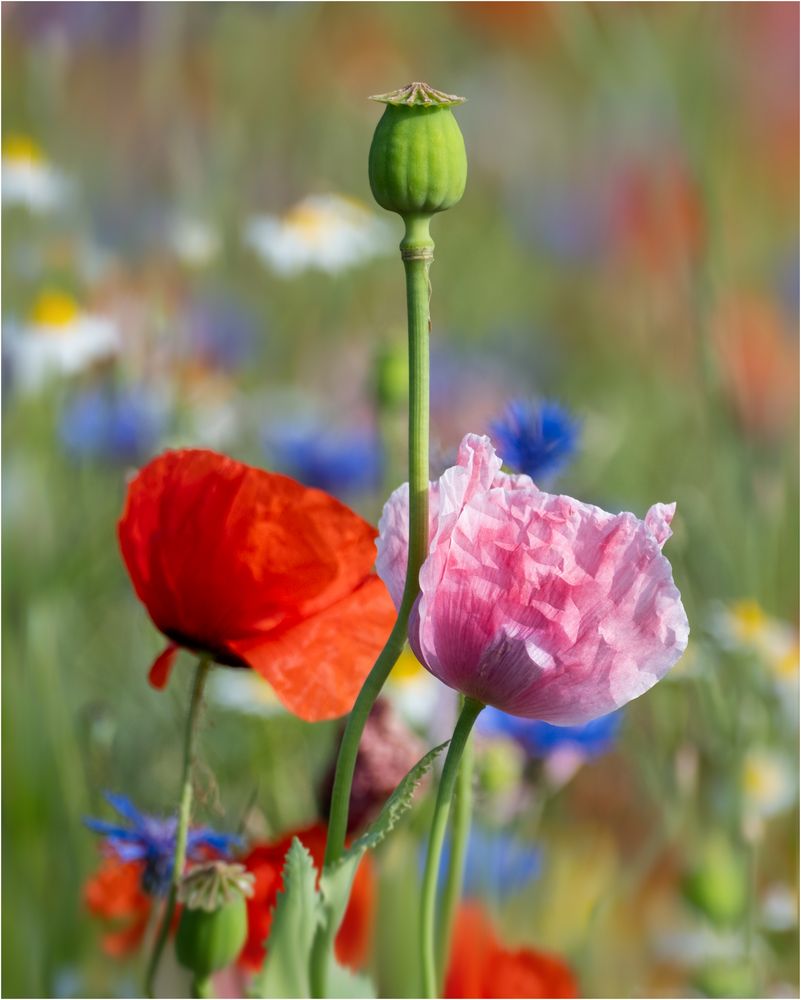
(540, 605)
(658, 519)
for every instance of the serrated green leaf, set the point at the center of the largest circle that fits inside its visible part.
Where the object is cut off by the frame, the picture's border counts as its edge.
(396, 805)
(298, 914)
(337, 879)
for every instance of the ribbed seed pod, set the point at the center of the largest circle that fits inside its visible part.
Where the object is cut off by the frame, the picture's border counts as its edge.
(214, 921)
(418, 163)
(207, 942)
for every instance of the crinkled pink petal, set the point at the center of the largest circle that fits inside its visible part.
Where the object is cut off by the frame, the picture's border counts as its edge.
(393, 542)
(543, 606)
(658, 519)
(477, 469)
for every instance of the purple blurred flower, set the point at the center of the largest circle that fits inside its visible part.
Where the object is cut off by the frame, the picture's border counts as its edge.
(220, 333)
(387, 750)
(151, 839)
(497, 864)
(114, 24)
(339, 462)
(541, 739)
(116, 425)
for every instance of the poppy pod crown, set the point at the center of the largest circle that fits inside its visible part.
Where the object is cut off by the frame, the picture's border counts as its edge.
(253, 569)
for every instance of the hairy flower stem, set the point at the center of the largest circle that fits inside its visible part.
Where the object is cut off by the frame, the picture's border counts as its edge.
(460, 834)
(447, 784)
(184, 812)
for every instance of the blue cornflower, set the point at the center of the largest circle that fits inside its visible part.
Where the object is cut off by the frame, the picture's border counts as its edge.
(151, 840)
(537, 438)
(497, 864)
(540, 739)
(339, 462)
(116, 425)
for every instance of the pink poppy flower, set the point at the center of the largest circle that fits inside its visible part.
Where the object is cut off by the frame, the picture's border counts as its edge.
(540, 605)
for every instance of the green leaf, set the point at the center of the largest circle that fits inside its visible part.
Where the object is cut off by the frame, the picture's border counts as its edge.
(337, 879)
(343, 982)
(298, 914)
(396, 805)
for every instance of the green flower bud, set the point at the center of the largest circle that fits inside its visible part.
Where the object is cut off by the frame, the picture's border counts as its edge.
(214, 923)
(418, 163)
(392, 377)
(718, 886)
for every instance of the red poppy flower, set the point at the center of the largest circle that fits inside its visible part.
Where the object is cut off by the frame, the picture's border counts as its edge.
(257, 571)
(480, 966)
(266, 861)
(114, 894)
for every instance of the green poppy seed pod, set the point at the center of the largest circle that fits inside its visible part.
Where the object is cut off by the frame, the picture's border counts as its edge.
(214, 922)
(418, 164)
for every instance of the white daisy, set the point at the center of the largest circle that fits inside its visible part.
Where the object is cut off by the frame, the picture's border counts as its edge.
(28, 179)
(58, 339)
(327, 232)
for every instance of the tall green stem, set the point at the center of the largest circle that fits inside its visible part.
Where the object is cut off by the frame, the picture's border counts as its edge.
(184, 813)
(417, 251)
(439, 824)
(460, 834)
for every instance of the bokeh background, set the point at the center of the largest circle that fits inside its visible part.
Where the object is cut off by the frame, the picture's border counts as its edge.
(191, 256)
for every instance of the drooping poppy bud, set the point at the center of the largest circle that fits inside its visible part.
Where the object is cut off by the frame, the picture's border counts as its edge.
(214, 922)
(418, 163)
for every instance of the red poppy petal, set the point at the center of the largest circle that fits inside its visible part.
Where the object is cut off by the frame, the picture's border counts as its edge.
(318, 666)
(528, 973)
(160, 670)
(218, 550)
(355, 933)
(480, 966)
(474, 944)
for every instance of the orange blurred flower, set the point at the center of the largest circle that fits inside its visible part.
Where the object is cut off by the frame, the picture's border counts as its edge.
(759, 362)
(480, 966)
(658, 215)
(114, 894)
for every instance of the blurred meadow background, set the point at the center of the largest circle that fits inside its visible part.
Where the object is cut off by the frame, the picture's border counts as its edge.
(192, 256)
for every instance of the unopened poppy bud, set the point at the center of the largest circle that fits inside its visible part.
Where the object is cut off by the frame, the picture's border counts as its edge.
(214, 923)
(418, 164)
